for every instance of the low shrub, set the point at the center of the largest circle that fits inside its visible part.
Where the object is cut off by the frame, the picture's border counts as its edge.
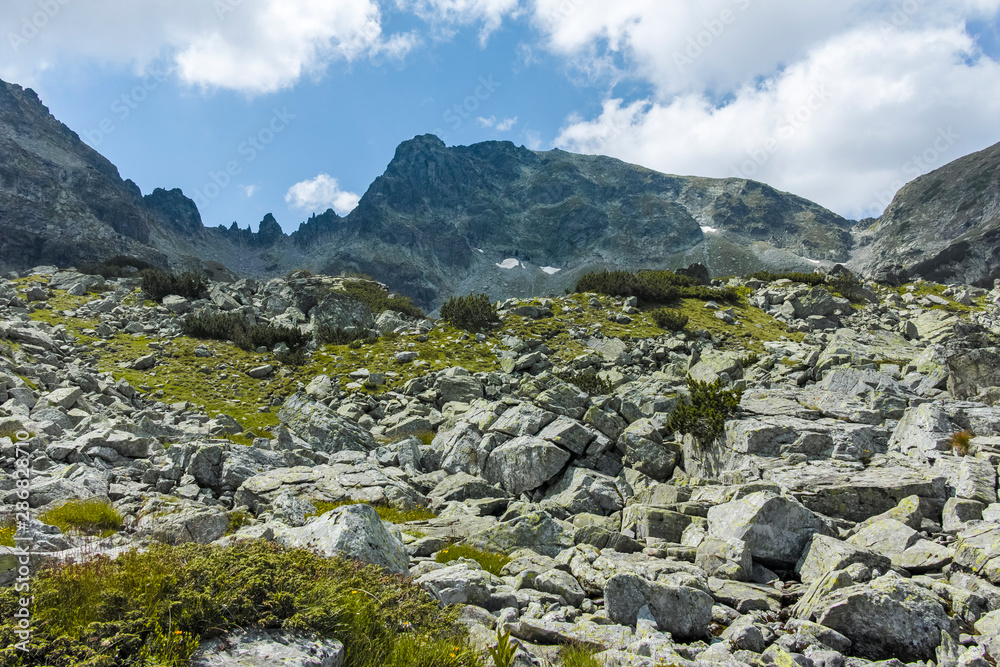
(154, 608)
(474, 311)
(795, 277)
(378, 299)
(587, 381)
(90, 517)
(491, 562)
(327, 335)
(119, 266)
(671, 320)
(653, 287)
(704, 413)
(237, 520)
(158, 284)
(960, 442)
(235, 328)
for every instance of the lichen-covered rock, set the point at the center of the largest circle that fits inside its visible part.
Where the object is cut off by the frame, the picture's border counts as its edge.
(266, 648)
(322, 427)
(524, 464)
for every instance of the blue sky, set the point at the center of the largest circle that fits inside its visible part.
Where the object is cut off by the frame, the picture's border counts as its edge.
(291, 106)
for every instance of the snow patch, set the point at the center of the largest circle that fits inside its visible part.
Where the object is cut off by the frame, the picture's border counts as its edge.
(510, 263)
(814, 261)
(478, 249)
(550, 270)
(705, 229)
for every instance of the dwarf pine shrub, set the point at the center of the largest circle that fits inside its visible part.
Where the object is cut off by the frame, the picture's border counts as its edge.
(669, 319)
(378, 299)
(704, 413)
(587, 381)
(795, 277)
(119, 266)
(235, 328)
(474, 311)
(158, 284)
(653, 287)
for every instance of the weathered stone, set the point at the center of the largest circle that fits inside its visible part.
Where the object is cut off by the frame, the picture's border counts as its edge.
(266, 648)
(524, 463)
(725, 559)
(776, 529)
(824, 554)
(977, 550)
(323, 428)
(354, 531)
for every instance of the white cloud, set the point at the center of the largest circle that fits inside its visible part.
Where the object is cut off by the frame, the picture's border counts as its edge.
(503, 126)
(254, 46)
(838, 123)
(506, 124)
(249, 190)
(320, 193)
(446, 14)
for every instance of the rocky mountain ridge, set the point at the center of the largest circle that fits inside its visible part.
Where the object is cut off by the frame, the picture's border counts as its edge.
(835, 520)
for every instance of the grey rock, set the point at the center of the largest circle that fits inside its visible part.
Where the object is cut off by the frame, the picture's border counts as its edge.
(267, 648)
(824, 554)
(323, 428)
(776, 529)
(354, 531)
(524, 463)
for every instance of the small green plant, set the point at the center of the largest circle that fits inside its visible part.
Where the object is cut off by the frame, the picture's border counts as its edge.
(169, 648)
(671, 320)
(474, 311)
(426, 437)
(491, 562)
(237, 520)
(578, 655)
(90, 517)
(749, 360)
(960, 442)
(704, 414)
(356, 344)
(158, 284)
(7, 530)
(504, 652)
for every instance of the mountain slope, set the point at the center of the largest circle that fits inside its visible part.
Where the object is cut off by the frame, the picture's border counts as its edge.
(441, 219)
(943, 226)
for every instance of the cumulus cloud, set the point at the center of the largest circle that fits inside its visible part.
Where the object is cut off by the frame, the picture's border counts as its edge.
(253, 46)
(320, 193)
(504, 125)
(839, 102)
(846, 126)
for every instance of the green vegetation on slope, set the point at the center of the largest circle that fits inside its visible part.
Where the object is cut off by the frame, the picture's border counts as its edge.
(155, 607)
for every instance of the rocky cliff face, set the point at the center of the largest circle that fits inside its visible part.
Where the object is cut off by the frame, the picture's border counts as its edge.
(943, 226)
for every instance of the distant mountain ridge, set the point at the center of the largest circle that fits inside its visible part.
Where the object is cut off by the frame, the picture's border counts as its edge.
(490, 217)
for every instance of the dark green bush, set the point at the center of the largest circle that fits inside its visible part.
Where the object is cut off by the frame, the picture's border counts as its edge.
(235, 328)
(158, 284)
(119, 266)
(327, 335)
(474, 311)
(704, 414)
(795, 277)
(653, 287)
(671, 320)
(154, 607)
(379, 300)
(587, 381)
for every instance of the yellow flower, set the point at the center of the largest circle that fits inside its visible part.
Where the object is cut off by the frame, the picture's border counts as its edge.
(178, 632)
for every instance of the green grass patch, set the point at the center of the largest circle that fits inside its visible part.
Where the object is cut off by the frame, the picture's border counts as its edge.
(90, 517)
(385, 512)
(578, 655)
(489, 561)
(154, 608)
(7, 530)
(237, 520)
